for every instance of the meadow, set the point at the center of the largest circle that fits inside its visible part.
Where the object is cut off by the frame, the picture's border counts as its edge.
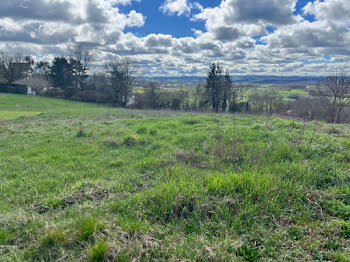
(84, 182)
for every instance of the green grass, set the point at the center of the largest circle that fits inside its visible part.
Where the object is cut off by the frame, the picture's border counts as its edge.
(84, 182)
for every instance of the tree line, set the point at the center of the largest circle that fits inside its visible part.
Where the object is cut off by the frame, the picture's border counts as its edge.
(70, 78)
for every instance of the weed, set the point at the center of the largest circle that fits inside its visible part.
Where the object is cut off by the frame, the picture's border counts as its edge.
(153, 132)
(190, 122)
(86, 227)
(333, 130)
(50, 247)
(341, 257)
(345, 230)
(251, 254)
(320, 256)
(190, 187)
(141, 130)
(283, 153)
(295, 234)
(116, 163)
(111, 143)
(5, 237)
(130, 140)
(98, 252)
(337, 208)
(123, 257)
(131, 225)
(81, 132)
(332, 245)
(52, 238)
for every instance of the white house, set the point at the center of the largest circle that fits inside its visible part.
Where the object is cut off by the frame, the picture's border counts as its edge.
(35, 84)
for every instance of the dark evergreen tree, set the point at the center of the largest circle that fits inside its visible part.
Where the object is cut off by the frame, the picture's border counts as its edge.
(61, 72)
(214, 86)
(227, 86)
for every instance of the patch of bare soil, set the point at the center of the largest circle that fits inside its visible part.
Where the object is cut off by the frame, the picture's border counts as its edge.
(91, 193)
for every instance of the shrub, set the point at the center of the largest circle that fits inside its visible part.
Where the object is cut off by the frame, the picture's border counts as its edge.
(55, 92)
(89, 96)
(3, 88)
(70, 92)
(21, 89)
(14, 89)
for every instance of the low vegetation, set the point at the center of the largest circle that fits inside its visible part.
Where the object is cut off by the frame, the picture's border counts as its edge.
(117, 83)
(81, 182)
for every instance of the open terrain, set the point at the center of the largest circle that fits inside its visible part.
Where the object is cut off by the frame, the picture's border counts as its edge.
(83, 182)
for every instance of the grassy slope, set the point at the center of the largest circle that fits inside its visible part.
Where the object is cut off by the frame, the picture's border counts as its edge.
(84, 182)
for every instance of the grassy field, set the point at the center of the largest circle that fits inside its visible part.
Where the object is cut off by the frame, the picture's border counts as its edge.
(82, 182)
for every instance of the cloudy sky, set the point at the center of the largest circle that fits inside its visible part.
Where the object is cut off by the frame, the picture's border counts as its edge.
(183, 37)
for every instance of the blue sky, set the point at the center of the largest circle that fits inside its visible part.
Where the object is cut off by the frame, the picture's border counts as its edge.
(177, 26)
(183, 37)
(158, 22)
(180, 26)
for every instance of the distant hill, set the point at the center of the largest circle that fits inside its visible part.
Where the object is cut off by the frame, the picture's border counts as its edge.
(242, 79)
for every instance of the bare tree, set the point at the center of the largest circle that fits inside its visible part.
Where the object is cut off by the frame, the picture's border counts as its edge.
(227, 91)
(14, 66)
(268, 102)
(122, 73)
(199, 96)
(151, 94)
(334, 93)
(99, 82)
(43, 67)
(81, 60)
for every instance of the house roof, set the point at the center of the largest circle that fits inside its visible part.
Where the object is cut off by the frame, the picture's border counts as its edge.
(22, 81)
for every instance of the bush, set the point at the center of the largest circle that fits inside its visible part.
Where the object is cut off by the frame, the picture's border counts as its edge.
(21, 89)
(55, 92)
(89, 96)
(13, 89)
(70, 92)
(308, 108)
(3, 88)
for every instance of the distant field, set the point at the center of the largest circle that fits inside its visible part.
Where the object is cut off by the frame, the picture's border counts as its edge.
(83, 182)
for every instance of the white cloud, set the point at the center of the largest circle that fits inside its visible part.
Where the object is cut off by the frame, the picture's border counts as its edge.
(179, 7)
(49, 28)
(336, 11)
(58, 21)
